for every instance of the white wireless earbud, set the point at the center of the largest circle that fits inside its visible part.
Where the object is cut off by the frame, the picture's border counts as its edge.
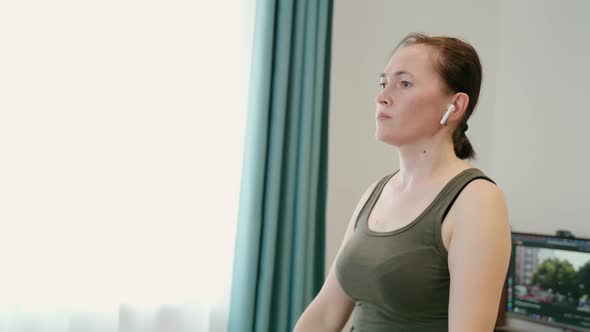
(445, 117)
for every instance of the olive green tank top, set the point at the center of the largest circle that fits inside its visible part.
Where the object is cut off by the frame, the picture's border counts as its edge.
(400, 280)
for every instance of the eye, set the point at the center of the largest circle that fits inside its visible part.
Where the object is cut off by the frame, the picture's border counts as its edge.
(405, 84)
(382, 81)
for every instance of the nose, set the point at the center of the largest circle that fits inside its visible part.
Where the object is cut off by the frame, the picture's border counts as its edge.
(382, 98)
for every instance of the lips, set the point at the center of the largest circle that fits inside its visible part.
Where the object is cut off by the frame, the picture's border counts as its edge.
(382, 115)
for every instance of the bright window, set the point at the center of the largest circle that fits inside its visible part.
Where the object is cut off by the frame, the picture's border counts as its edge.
(121, 133)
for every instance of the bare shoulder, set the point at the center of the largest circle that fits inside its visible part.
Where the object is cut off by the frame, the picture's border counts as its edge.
(481, 193)
(482, 207)
(478, 216)
(478, 258)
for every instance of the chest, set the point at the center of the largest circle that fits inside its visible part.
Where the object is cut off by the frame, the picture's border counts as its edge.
(403, 272)
(395, 210)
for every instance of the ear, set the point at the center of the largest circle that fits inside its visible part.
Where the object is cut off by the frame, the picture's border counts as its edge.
(461, 101)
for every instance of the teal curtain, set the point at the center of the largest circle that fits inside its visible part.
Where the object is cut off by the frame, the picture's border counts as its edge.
(279, 255)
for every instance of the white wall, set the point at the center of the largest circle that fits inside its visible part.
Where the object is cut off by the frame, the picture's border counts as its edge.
(527, 127)
(539, 154)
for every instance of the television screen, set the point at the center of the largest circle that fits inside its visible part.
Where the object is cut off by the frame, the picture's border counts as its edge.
(549, 280)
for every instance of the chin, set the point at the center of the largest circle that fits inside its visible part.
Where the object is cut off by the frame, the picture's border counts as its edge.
(387, 138)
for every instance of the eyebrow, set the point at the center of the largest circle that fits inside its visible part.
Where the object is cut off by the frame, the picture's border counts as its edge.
(397, 73)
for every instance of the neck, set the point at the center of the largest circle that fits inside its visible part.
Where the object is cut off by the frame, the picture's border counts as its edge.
(425, 160)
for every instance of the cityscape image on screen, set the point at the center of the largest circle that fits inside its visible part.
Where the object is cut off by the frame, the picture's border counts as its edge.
(549, 280)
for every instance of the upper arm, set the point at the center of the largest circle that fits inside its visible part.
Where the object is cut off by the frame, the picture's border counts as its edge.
(478, 257)
(332, 303)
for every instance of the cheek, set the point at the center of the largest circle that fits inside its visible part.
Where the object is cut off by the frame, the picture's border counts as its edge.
(422, 111)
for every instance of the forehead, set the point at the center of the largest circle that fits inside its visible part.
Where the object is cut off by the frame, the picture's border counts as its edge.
(415, 59)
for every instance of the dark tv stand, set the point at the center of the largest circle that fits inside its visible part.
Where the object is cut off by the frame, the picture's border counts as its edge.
(511, 329)
(507, 329)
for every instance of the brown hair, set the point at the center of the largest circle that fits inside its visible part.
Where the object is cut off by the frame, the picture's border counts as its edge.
(457, 63)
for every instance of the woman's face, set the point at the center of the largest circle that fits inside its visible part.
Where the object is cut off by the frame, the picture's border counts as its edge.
(412, 99)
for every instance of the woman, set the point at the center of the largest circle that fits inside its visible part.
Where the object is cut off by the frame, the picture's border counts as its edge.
(427, 248)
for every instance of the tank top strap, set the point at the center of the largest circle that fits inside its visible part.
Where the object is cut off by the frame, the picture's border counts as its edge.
(454, 189)
(446, 200)
(373, 198)
(442, 203)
